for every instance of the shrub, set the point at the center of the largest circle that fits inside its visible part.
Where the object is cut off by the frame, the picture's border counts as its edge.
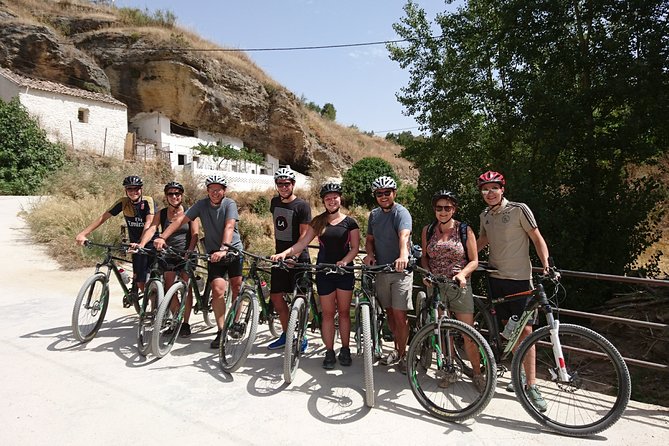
(26, 155)
(357, 182)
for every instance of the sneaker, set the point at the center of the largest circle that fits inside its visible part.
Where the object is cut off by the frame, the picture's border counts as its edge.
(446, 378)
(216, 343)
(345, 356)
(509, 387)
(402, 365)
(303, 347)
(479, 382)
(391, 358)
(330, 360)
(279, 343)
(536, 398)
(184, 331)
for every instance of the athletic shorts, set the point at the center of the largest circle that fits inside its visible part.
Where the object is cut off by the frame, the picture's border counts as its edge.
(458, 300)
(141, 265)
(329, 283)
(394, 290)
(282, 281)
(225, 270)
(504, 287)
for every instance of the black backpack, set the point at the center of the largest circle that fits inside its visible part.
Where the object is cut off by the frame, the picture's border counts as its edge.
(463, 234)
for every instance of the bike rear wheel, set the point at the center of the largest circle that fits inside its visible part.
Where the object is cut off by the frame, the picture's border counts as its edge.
(239, 332)
(439, 382)
(207, 309)
(153, 294)
(169, 317)
(595, 396)
(294, 336)
(90, 307)
(367, 354)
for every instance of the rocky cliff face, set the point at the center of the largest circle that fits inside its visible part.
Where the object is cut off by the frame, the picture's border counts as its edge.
(90, 49)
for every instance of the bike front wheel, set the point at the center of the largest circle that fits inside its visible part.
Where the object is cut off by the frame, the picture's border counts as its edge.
(294, 336)
(90, 307)
(239, 332)
(153, 294)
(436, 371)
(207, 310)
(367, 354)
(596, 393)
(169, 317)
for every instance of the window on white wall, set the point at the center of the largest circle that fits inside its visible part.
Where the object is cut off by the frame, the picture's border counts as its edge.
(82, 115)
(181, 160)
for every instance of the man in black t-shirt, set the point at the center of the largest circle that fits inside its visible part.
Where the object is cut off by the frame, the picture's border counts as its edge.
(291, 217)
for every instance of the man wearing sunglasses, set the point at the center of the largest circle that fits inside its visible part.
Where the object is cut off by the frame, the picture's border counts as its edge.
(138, 211)
(507, 227)
(387, 241)
(291, 217)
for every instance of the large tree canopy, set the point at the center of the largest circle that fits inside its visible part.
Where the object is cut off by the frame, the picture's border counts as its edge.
(562, 97)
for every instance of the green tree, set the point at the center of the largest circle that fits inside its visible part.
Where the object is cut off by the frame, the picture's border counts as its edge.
(26, 155)
(357, 181)
(562, 97)
(329, 112)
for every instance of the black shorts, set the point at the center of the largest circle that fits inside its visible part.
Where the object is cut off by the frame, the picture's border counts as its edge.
(329, 283)
(141, 266)
(504, 287)
(283, 281)
(225, 270)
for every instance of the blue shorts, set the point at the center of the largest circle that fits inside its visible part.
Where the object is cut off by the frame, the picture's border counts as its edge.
(329, 283)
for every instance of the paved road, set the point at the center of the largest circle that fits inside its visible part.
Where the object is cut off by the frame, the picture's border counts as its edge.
(57, 392)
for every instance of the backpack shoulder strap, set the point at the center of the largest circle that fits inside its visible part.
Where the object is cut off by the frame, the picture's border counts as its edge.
(463, 238)
(430, 230)
(163, 219)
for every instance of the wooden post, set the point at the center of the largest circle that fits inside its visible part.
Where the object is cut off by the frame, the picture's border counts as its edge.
(71, 135)
(104, 145)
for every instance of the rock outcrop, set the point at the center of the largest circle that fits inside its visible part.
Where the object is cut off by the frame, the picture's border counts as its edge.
(151, 69)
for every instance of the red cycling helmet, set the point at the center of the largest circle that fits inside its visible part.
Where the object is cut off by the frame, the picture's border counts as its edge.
(490, 177)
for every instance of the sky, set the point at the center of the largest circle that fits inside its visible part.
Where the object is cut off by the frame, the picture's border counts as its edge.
(361, 82)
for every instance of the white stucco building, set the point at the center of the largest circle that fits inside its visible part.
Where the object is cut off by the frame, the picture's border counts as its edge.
(82, 119)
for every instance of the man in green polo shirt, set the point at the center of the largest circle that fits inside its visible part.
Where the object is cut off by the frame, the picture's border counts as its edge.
(507, 227)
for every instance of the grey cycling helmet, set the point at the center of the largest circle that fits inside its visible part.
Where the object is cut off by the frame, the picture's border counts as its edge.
(174, 185)
(384, 182)
(284, 173)
(216, 179)
(133, 181)
(444, 194)
(330, 187)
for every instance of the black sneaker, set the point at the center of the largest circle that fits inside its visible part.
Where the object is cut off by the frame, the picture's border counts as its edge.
(330, 360)
(184, 331)
(216, 343)
(345, 356)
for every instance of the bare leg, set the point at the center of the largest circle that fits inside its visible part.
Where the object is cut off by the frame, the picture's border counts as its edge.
(328, 305)
(281, 308)
(344, 310)
(218, 287)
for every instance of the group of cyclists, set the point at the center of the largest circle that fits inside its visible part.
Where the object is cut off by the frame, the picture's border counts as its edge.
(450, 248)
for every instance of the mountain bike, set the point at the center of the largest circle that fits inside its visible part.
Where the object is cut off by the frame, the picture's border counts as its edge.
(252, 306)
(443, 358)
(171, 312)
(302, 305)
(582, 377)
(92, 301)
(368, 325)
(154, 292)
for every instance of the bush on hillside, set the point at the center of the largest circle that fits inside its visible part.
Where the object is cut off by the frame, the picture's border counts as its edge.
(26, 155)
(357, 181)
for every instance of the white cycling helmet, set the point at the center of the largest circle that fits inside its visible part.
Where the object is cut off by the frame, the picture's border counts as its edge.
(284, 173)
(216, 179)
(384, 182)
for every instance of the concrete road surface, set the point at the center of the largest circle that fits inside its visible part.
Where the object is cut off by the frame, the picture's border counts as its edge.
(55, 391)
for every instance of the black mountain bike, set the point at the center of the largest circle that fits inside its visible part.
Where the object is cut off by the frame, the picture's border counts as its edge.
(581, 376)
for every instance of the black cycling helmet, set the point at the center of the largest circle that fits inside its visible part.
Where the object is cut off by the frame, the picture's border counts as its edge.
(133, 181)
(174, 185)
(444, 194)
(330, 187)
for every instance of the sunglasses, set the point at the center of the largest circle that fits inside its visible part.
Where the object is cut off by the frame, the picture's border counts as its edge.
(173, 194)
(492, 189)
(284, 184)
(446, 208)
(383, 194)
